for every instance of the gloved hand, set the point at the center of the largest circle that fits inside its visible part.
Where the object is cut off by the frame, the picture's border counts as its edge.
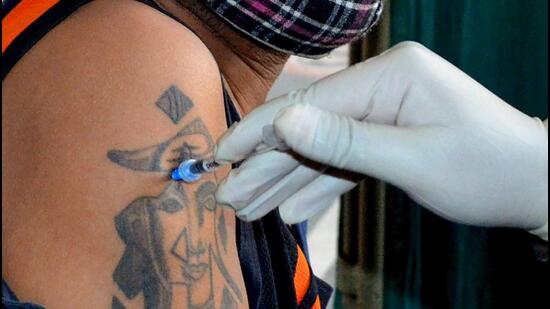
(407, 117)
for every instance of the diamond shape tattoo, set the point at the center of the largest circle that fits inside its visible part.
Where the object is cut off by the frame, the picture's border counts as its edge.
(174, 104)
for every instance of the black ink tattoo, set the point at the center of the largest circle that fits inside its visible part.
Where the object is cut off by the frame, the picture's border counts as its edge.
(159, 265)
(228, 302)
(232, 284)
(222, 230)
(191, 271)
(167, 155)
(205, 195)
(116, 304)
(142, 268)
(205, 199)
(174, 103)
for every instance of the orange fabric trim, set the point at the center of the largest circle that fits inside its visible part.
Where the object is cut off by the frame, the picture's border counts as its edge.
(317, 304)
(21, 17)
(302, 276)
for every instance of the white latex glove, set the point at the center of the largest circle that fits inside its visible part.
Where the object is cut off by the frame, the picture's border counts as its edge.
(407, 117)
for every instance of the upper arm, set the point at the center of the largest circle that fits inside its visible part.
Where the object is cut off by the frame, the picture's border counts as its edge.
(94, 118)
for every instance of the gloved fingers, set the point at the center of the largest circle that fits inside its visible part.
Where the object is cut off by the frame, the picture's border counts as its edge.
(278, 192)
(255, 175)
(314, 198)
(243, 138)
(389, 153)
(353, 92)
(377, 89)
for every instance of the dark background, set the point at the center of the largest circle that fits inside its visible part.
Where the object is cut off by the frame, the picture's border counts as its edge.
(430, 262)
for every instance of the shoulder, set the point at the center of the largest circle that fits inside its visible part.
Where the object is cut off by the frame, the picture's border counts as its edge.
(124, 43)
(114, 60)
(114, 75)
(102, 107)
(133, 30)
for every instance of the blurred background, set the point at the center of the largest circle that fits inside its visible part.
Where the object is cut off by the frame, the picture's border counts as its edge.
(376, 246)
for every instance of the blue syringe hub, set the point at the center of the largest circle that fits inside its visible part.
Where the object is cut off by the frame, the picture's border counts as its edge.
(191, 170)
(185, 173)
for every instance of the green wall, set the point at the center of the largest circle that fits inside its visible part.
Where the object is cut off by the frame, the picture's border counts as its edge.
(431, 263)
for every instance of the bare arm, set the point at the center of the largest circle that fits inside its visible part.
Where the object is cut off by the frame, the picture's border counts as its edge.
(100, 111)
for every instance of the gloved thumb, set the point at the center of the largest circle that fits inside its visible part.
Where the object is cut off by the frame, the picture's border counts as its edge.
(386, 152)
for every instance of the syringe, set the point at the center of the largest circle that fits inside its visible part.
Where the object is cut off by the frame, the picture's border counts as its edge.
(191, 170)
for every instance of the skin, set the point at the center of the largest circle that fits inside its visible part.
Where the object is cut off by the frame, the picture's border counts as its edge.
(78, 109)
(249, 70)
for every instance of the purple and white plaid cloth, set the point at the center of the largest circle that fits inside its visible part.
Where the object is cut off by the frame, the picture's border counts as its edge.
(308, 28)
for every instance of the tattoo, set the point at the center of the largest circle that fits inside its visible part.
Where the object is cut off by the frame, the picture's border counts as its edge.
(232, 284)
(174, 104)
(158, 264)
(191, 271)
(222, 231)
(116, 304)
(167, 155)
(205, 198)
(228, 302)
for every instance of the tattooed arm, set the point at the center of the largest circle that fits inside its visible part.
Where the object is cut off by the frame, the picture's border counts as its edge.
(94, 119)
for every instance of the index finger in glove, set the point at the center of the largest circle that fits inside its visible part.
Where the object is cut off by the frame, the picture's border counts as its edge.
(347, 93)
(255, 176)
(244, 137)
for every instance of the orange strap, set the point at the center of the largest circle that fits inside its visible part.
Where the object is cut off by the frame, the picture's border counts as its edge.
(302, 276)
(317, 304)
(21, 17)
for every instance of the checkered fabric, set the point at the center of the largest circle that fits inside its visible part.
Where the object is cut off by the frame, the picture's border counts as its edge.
(309, 28)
